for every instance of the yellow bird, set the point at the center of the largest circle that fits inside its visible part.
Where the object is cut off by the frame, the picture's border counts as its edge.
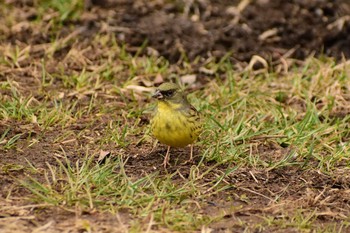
(176, 122)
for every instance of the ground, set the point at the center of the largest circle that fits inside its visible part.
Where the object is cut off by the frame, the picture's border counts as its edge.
(270, 78)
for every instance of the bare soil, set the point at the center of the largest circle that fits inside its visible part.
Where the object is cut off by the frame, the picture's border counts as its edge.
(271, 29)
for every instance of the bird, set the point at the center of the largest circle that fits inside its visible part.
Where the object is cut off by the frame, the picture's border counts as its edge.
(175, 123)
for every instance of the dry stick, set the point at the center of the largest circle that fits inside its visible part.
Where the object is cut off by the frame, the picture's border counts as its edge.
(268, 137)
(262, 195)
(261, 137)
(18, 217)
(24, 207)
(43, 228)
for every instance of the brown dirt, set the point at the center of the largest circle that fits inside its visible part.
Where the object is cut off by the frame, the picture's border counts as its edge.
(267, 28)
(209, 28)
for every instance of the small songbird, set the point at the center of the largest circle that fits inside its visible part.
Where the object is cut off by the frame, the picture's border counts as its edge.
(176, 122)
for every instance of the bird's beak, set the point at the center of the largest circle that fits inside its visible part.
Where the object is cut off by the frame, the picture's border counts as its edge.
(157, 95)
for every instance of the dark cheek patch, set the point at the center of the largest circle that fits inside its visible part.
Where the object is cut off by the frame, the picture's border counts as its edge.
(168, 93)
(167, 126)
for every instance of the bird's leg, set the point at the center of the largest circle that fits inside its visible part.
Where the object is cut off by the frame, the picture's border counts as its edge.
(191, 155)
(167, 157)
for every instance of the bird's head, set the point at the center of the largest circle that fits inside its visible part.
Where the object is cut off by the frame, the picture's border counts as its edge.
(168, 92)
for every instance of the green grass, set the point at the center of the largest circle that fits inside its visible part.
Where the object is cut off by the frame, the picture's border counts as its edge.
(107, 187)
(251, 110)
(240, 113)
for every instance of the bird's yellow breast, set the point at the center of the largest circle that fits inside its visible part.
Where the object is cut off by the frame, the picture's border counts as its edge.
(172, 126)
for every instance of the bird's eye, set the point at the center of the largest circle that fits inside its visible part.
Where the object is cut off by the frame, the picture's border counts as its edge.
(168, 93)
